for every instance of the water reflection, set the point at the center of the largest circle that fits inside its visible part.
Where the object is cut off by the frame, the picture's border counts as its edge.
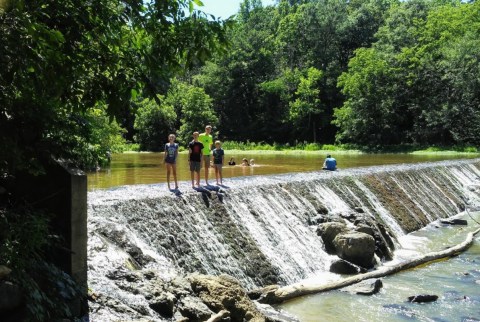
(147, 168)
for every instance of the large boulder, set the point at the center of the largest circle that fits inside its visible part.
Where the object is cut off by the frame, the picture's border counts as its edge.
(355, 247)
(225, 293)
(328, 231)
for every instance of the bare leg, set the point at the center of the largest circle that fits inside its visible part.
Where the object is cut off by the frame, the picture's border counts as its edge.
(216, 174)
(220, 175)
(168, 165)
(198, 178)
(206, 163)
(174, 170)
(192, 175)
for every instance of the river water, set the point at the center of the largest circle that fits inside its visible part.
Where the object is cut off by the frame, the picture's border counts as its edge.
(147, 168)
(455, 281)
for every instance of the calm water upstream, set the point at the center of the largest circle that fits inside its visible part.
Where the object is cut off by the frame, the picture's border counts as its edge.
(147, 168)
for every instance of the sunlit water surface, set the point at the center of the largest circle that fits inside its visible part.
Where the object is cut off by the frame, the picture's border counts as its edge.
(455, 281)
(147, 168)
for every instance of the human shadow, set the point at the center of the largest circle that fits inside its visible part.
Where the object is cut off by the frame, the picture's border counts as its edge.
(176, 191)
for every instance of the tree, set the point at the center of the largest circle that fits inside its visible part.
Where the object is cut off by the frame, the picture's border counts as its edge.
(307, 102)
(195, 109)
(153, 123)
(59, 59)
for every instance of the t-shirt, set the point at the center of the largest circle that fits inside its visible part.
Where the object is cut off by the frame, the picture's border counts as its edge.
(330, 163)
(207, 141)
(195, 151)
(217, 156)
(170, 152)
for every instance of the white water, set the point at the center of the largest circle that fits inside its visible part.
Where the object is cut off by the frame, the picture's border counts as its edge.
(260, 233)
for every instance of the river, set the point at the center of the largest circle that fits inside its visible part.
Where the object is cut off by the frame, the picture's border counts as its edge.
(147, 168)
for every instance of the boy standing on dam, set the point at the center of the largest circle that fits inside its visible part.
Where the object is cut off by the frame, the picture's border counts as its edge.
(207, 140)
(194, 159)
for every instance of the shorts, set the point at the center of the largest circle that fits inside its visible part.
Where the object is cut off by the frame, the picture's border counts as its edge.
(206, 158)
(170, 161)
(218, 166)
(195, 166)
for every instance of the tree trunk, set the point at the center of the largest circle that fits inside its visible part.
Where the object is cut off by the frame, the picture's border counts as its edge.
(281, 294)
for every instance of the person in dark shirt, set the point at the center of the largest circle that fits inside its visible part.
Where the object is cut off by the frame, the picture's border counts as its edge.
(194, 159)
(231, 162)
(218, 155)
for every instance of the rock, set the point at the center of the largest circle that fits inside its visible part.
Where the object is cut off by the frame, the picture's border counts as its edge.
(316, 220)
(194, 309)
(274, 315)
(328, 231)
(367, 287)
(363, 228)
(341, 266)
(225, 293)
(164, 304)
(4, 271)
(355, 247)
(11, 296)
(350, 217)
(359, 210)
(223, 314)
(461, 222)
(422, 298)
(256, 293)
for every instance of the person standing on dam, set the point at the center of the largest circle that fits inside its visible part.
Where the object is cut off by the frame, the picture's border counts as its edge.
(207, 140)
(194, 159)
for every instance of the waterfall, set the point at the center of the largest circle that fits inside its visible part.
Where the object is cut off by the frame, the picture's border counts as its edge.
(262, 230)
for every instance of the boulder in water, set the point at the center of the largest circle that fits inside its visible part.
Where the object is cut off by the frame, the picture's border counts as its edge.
(164, 304)
(355, 247)
(328, 231)
(458, 222)
(341, 266)
(367, 287)
(422, 298)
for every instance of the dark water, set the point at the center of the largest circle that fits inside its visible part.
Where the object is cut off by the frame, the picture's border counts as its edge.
(147, 168)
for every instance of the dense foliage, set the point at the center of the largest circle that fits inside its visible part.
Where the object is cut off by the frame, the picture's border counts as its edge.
(419, 83)
(368, 72)
(60, 59)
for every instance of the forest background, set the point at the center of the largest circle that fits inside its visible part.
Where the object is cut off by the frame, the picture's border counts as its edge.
(369, 73)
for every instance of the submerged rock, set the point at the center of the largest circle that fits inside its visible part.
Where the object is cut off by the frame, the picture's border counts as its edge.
(344, 267)
(367, 287)
(422, 298)
(458, 222)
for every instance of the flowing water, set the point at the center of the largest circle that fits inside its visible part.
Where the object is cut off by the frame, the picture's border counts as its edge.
(263, 232)
(455, 281)
(146, 168)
